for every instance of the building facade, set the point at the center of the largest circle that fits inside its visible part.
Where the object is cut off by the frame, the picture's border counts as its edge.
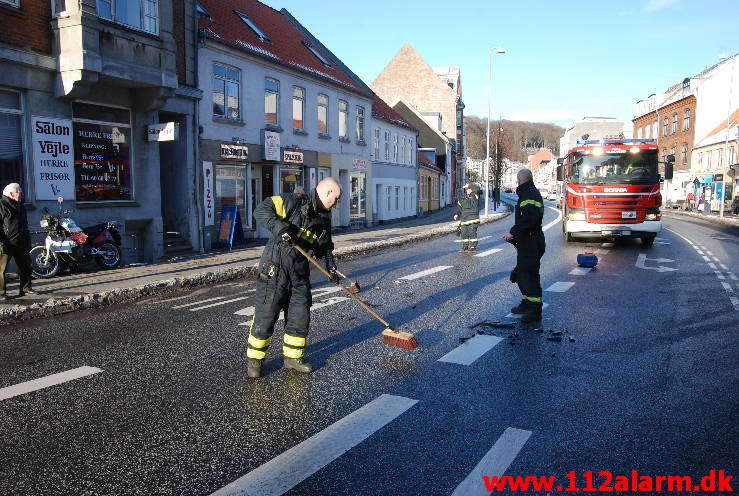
(714, 164)
(594, 127)
(279, 112)
(97, 106)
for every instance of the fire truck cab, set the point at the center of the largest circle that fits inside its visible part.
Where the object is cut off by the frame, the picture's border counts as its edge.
(611, 189)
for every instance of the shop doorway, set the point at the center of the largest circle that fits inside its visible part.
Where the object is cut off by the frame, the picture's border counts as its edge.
(358, 192)
(175, 187)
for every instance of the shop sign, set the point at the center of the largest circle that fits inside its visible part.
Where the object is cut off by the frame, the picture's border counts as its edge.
(271, 145)
(236, 152)
(291, 157)
(166, 131)
(717, 178)
(53, 158)
(360, 163)
(209, 207)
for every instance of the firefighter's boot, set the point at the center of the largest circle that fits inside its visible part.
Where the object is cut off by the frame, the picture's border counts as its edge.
(254, 368)
(298, 365)
(521, 308)
(533, 313)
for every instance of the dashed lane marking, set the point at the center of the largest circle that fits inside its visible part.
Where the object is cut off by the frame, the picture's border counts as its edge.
(723, 266)
(727, 287)
(478, 239)
(712, 265)
(518, 316)
(292, 467)
(699, 252)
(494, 463)
(732, 276)
(705, 258)
(219, 303)
(560, 287)
(709, 252)
(489, 252)
(249, 311)
(471, 350)
(735, 302)
(424, 273)
(581, 271)
(193, 303)
(48, 381)
(555, 221)
(719, 274)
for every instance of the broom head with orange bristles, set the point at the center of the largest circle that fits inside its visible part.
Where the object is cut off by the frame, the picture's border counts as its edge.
(399, 339)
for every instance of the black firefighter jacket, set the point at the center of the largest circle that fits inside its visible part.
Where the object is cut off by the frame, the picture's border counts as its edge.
(527, 234)
(13, 226)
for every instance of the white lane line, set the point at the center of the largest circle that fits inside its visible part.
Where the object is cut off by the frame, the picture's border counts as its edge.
(555, 221)
(700, 252)
(494, 463)
(581, 271)
(705, 258)
(292, 467)
(488, 252)
(723, 266)
(471, 350)
(709, 252)
(193, 303)
(735, 302)
(425, 273)
(732, 276)
(197, 309)
(249, 311)
(174, 299)
(727, 287)
(719, 274)
(713, 266)
(478, 239)
(560, 287)
(48, 381)
(518, 316)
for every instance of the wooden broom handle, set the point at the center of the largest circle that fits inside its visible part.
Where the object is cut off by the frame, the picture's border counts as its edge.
(349, 293)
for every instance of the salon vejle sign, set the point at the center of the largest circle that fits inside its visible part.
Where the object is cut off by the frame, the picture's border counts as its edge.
(53, 157)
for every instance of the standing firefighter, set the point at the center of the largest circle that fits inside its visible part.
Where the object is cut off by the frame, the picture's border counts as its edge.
(284, 274)
(468, 214)
(528, 238)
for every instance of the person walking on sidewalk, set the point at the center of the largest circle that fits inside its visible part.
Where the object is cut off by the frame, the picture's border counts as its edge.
(468, 214)
(528, 238)
(735, 206)
(15, 239)
(284, 274)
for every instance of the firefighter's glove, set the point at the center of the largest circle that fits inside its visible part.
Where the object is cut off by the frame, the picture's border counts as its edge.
(331, 266)
(334, 276)
(288, 234)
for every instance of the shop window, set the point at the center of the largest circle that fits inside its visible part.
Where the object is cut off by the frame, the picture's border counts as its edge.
(14, 3)
(298, 107)
(138, 14)
(271, 101)
(102, 153)
(360, 123)
(11, 138)
(343, 119)
(323, 114)
(290, 179)
(226, 82)
(230, 188)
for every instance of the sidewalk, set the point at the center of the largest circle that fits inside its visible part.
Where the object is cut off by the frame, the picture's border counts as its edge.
(728, 220)
(97, 289)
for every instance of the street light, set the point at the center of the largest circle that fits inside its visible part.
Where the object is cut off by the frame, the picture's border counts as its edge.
(491, 50)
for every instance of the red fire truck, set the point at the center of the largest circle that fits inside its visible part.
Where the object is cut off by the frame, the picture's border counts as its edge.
(611, 190)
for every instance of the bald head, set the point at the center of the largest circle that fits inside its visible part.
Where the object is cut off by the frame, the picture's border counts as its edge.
(329, 192)
(524, 175)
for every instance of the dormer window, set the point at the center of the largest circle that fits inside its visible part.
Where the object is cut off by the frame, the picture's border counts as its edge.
(202, 12)
(317, 54)
(260, 34)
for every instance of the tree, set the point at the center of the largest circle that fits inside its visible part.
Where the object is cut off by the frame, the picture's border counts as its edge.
(519, 139)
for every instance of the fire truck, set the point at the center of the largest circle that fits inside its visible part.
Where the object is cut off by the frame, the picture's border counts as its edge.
(611, 189)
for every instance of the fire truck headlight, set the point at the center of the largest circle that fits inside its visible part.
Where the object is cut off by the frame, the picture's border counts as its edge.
(634, 149)
(576, 215)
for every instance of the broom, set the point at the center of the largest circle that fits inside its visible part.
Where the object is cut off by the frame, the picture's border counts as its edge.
(390, 336)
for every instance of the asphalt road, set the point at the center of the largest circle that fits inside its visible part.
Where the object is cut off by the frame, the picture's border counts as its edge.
(642, 377)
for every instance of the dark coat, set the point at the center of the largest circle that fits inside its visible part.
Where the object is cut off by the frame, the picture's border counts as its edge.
(14, 232)
(468, 209)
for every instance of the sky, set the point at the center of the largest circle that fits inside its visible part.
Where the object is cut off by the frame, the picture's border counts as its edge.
(565, 58)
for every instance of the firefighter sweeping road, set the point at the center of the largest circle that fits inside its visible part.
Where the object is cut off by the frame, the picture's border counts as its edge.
(634, 367)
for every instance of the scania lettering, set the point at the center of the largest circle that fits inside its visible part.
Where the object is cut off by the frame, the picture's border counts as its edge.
(611, 190)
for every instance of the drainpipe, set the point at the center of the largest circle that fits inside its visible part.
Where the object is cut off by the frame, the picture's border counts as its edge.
(196, 135)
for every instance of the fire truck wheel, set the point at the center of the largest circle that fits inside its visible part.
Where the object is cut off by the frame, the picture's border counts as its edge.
(647, 240)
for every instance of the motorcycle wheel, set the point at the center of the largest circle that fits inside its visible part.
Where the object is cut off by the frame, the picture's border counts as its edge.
(44, 264)
(110, 258)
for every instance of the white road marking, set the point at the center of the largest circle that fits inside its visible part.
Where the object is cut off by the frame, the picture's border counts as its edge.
(641, 262)
(606, 245)
(193, 303)
(249, 311)
(713, 266)
(478, 239)
(292, 467)
(471, 350)
(174, 299)
(709, 252)
(48, 381)
(723, 266)
(580, 271)
(555, 221)
(660, 239)
(700, 252)
(197, 309)
(705, 258)
(494, 463)
(719, 274)
(518, 315)
(732, 276)
(560, 287)
(424, 273)
(727, 287)
(489, 252)
(735, 302)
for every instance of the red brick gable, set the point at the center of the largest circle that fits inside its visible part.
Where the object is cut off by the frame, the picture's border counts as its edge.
(286, 45)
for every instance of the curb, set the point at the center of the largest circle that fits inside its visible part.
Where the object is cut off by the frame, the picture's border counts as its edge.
(58, 306)
(708, 218)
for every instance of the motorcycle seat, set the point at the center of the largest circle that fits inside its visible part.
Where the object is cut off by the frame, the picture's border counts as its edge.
(93, 230)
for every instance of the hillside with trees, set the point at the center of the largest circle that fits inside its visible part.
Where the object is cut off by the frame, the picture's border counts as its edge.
(518, 139)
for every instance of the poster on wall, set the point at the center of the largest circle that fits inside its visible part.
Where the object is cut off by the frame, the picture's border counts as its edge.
(209, 208)
(102, 158)
(271, 145)
(53, 158)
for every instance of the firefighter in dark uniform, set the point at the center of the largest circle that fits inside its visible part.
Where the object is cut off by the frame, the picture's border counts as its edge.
(528, 238)
(284, 274)
(468, 214)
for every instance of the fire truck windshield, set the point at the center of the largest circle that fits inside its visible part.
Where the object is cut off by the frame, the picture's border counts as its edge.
(615, 168)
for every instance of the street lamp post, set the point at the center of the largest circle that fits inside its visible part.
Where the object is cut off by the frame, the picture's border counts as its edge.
(499, 50)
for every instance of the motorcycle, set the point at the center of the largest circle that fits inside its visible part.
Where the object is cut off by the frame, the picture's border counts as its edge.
(67, 245)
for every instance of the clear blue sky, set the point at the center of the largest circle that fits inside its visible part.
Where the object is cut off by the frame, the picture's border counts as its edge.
(566, 58)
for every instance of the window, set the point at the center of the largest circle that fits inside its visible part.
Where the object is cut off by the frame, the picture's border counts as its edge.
(387, 193)
(405, 198)
(102, 152)
(708, 160)
(322, 114)
(409, 152)
(260, 34)
(298, 107)
(719, 159)
(226, 91)
(343, 119)
(271, 101)
(639, 132)
(376, 144)
(387, 146)
(58, 7)
(731, 155)
(672, 151)
(317, 54)
(685, 154)
(395, 148)
(138, 14)
(14, 3)
(686, 120)
(655, 125)
(230, 186)
(674, 123)
(666, 126)
(11, 137)
(401, 152)
(360, 123)
(397, 198)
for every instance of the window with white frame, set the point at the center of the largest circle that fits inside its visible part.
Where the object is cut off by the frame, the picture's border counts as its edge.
(674, 123)
(719, 158)
(686, 120)
(395, 148)
(731, 155)
(360, 123)
(323, 114)
(665, 126)
(387, 145)
(11, 137)
(271, 101)
(14, 3)
(685, 154)
(138, 14)
(376, 144)
(343, 119)
(639, 132)
(401, 152)
(58, 7)
(226, 82)
(397, 198)
(298, 107)
(405, 198)
(387, 193)
(654, 129)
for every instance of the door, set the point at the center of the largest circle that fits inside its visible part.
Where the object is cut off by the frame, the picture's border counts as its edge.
(358, 207)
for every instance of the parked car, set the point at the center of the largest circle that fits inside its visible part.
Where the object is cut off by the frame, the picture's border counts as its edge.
(552, 195)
